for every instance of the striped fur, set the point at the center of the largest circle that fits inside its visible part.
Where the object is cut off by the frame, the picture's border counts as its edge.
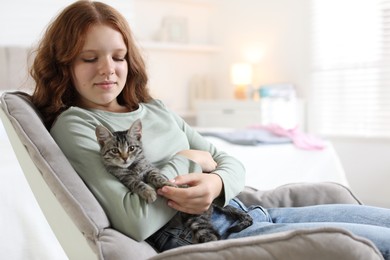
(123, 157)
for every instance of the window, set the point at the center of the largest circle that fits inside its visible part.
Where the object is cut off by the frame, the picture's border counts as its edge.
(350, 86)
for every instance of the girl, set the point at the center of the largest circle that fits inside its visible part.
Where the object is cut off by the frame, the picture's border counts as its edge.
(88, 71)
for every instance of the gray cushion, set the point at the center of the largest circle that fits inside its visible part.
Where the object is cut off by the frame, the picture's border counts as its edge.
(318, 244)
(300, 194)
(108, 243)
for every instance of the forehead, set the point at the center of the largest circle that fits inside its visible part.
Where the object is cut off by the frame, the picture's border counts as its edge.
(103, 37)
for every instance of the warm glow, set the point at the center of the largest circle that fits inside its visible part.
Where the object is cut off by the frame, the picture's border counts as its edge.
(241, 74)
(253, 54)
(241, 77)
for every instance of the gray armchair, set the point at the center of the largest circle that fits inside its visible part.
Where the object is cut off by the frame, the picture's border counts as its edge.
(84, 231)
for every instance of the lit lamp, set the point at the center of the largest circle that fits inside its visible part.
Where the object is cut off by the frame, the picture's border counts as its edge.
(241, 77)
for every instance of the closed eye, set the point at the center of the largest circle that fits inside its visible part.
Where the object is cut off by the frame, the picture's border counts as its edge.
(119, 59)
(90, 60)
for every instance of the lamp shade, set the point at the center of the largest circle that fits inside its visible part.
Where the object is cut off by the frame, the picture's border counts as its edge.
(241, 74)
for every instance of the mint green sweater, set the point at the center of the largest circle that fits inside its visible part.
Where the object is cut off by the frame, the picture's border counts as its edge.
(164, 134)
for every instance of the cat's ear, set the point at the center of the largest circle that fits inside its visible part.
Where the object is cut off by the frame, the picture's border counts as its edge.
(102, 134)
(136, 129)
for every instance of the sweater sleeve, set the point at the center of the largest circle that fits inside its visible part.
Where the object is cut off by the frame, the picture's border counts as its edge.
(74, 131)
(131, 215)
(231, 171)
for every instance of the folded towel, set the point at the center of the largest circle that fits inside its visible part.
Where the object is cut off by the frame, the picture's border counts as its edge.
(249, 137)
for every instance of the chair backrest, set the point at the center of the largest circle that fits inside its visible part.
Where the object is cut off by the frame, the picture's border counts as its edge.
(55, 184)
(75, 216)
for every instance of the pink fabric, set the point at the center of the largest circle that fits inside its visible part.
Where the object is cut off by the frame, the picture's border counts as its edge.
(299, 138)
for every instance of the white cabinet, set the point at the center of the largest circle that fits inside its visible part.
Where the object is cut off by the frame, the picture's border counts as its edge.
(227, 113)
(244, 113)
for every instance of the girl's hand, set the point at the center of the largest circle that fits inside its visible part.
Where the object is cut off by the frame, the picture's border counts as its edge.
(197, 198)
(203, 158)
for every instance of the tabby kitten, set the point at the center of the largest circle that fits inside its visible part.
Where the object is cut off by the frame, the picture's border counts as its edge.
(123, 156)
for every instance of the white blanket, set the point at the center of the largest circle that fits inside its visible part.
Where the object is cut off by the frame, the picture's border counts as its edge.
(269, 166)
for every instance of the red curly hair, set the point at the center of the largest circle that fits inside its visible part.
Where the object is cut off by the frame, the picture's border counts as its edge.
(61, 44)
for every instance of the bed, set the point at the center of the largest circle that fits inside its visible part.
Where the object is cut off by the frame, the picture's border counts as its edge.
(271, 165)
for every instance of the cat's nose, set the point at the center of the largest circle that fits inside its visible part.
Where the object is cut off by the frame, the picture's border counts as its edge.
(124, 159)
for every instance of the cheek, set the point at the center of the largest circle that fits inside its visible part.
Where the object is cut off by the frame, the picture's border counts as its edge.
(76, 74)
(80, 75)
(122, 70)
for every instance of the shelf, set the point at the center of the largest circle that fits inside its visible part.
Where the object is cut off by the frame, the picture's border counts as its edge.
(196, 2)
(171, 46)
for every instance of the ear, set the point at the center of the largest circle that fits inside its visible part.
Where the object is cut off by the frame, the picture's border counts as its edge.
(136, 129)
(102, 134)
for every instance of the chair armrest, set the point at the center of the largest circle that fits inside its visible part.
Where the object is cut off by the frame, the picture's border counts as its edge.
(299, 194)
(319, 244)
(316, 243)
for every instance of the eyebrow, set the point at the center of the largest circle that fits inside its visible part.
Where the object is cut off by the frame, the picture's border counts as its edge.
(95, 50)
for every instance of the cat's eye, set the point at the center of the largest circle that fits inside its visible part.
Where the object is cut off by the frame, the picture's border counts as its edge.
(115, 150)
(131, 148)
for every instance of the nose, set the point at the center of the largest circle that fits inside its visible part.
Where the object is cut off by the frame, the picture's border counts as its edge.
(124, 156)
(124, 159)
(106, 66)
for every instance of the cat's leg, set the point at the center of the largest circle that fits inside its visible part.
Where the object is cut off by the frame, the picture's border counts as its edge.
(201, 227)
(243, 218)
(157, 179)
(143, 190)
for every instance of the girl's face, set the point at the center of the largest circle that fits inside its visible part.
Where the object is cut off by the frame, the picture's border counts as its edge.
(100, 70)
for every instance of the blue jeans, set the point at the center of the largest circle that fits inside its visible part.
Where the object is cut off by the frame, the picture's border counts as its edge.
(370, 222)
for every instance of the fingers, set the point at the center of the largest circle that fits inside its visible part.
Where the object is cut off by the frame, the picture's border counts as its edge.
(188, 200)
(197, 198)
(182, 195)
(188, 179)
(194, 200)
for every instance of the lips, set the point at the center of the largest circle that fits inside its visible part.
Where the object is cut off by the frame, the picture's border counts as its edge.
(105, 84)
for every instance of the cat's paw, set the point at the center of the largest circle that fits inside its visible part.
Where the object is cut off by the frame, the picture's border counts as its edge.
(168, 183)
(206, 237)
(149, 195)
